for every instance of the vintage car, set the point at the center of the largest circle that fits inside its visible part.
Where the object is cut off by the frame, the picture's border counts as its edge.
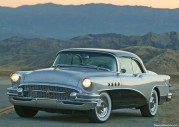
(92, 80)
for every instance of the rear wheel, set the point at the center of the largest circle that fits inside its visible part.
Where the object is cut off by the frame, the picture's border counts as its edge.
(24, 111)
(150, 109)
(101, 112)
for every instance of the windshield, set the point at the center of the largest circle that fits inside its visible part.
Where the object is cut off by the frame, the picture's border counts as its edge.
(81, 58)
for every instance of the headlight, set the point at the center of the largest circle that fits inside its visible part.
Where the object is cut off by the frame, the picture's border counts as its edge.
(15, 77)
(86, 83)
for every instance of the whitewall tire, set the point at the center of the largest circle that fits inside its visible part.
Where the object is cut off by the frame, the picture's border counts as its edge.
(101, 113)
(150, 109)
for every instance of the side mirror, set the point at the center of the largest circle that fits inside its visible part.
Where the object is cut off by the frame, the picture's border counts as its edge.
(123, 70)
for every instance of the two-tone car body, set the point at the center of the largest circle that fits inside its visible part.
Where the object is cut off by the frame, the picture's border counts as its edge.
(93, 80)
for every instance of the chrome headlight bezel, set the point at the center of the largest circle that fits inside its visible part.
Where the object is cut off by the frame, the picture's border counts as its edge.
(15, 77)
(86, 83)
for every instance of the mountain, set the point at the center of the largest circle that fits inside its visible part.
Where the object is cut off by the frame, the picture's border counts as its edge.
(67, 21)
(19, 53)
(158, 60)
(169, 40)
(33, 53)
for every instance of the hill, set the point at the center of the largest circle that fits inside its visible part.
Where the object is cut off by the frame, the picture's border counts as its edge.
(64, 22)
(169, 40)
(24, 54)
(33, 53)
(158, 60)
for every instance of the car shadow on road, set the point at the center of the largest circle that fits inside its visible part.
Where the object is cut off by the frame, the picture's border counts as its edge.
(83, 118)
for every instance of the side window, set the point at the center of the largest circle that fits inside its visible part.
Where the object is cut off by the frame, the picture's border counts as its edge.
(136, 67)
(126, 63)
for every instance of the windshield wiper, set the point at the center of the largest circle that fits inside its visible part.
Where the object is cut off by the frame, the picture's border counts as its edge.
(61, 65)
(96, 67)
(66, 65)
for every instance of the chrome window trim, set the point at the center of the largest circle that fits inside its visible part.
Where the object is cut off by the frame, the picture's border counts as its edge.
(141, 65)
(132, 58)
(120, 63)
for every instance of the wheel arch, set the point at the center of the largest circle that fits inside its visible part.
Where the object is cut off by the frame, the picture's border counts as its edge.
(158, 93)
(109, 93)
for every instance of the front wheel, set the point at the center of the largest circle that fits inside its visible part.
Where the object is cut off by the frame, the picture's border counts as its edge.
(24, 111)
(101, 112)
(150, 109)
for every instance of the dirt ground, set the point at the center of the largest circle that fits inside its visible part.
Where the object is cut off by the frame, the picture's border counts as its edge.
(169, 112)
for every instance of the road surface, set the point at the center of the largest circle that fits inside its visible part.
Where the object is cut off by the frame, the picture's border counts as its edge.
(168, 115)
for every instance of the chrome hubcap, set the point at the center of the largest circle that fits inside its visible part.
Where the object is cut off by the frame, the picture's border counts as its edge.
(153, 102)
(102, 110)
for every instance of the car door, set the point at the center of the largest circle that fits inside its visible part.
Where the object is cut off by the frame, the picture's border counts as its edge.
(132, 80)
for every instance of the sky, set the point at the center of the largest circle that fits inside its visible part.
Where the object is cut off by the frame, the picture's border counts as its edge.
(150, 3)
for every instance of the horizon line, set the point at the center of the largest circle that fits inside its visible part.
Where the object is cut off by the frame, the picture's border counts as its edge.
(86, 4)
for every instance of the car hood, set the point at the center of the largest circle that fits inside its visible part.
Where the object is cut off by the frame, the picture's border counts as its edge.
(64, 76)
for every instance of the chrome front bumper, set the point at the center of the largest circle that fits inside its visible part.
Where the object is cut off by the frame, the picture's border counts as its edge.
(80, 101)
(165, 98)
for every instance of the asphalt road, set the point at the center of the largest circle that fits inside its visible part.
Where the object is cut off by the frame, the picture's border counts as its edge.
(168, 115)
(4, 84)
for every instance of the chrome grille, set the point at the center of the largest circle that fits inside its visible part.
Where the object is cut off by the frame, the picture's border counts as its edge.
(44, 91)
